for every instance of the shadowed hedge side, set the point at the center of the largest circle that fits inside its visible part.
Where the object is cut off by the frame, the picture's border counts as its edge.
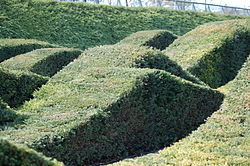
(159, 39)
(12, 47)
(12, 155)
(17, 86)
(45, 61)
(213, 52)
(6, 114)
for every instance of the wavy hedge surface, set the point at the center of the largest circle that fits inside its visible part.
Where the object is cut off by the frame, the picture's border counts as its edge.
(83, 25)
(214, 52)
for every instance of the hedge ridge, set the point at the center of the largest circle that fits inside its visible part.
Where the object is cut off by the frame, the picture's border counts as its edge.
(224, 138)
(12, 47)
(129, 56)
(12, 155)
(17, 86)
(159, 39)
(44, 62)
(83, 25)
(213, 52)
(6, 114)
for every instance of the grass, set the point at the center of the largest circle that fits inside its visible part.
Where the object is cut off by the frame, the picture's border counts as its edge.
(213, 52)
(81, 25)
(222, 140)
(12, 47)
(45, 62)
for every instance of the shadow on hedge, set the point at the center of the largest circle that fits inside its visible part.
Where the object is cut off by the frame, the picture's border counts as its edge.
(158, 112)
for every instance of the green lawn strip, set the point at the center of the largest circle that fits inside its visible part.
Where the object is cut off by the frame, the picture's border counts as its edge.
(213, 52)
(46, 61)
(159, 39)
(12, 47)
(89, 115)
(128, 56)
(17, 86)
(82, 25)
(13, 155)
(223, 139)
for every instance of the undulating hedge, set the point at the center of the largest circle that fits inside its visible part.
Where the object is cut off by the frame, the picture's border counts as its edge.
(46, 61)
(159, 39)
(17, 86)
(213, 52)
(84, 25)
(12, 47)
(86, 115)
(222, 140)
(128, 55)
(13, 155)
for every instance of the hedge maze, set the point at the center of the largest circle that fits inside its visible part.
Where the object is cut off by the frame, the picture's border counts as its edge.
(153, 89)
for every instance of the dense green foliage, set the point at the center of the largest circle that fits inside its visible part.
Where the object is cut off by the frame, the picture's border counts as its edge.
(213, 52)
(13, 47)
(159, 39)
(17, 86)
(83, 25)
(127, 55)
(45, 61)
(6, 114)
(223, 140)
(12, 155)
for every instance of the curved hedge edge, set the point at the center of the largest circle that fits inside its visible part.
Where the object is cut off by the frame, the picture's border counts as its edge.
(45, 61)
(17, 86)
(224, 138)
(159, 102)
(13, 155)
(12, 47)
(159, 39)
(6, 114)
(132, 56)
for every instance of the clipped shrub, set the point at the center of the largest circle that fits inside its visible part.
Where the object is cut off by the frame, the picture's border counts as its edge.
(6, 114)
(95, 115)
(12, 47)
(129, 56)
(13, 155)
(17, 86)
(46, 61)
(82, 25)
(213, 52)
(223, 139)
(159, 39)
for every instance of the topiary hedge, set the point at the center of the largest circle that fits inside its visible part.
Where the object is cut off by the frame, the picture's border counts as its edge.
(84, 25)
(6, 115)
(12, 155)
(45, 61)
(17, 86)
(213, 52)
(159, 39)
(128, 55)
(12, 47)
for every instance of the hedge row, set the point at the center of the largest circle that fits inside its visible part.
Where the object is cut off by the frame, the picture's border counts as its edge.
(12, 47)
(223, 139)
(44, 62)
(6, 114)
(84, 25)
(128, 55)
(159, 39)
(86, 115)
(12, 155)
(17, 86)
(213, 52)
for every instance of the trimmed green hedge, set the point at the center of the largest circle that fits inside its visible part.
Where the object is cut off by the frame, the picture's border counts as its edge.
(6, 114)
(128, 55)
(17, 86)
(213, 52)
(12, 155)
(12, 47)
(87, 115)
(223, 139)
(45, 61)
(84, 25)
(159, 39)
